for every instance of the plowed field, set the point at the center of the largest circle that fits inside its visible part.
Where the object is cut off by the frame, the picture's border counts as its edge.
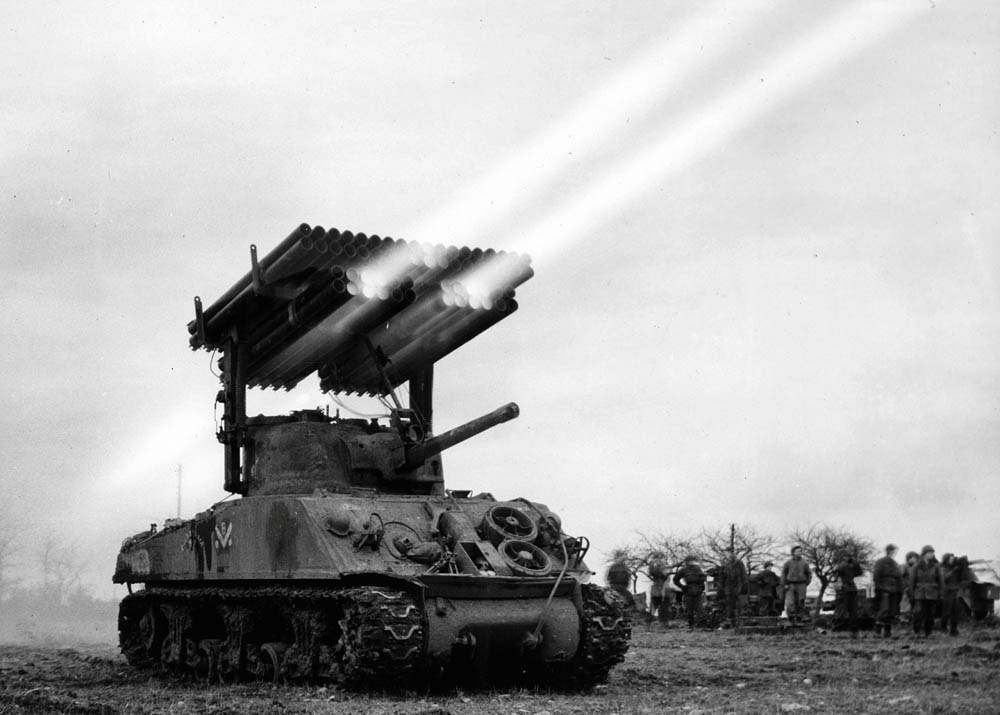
(666, 671)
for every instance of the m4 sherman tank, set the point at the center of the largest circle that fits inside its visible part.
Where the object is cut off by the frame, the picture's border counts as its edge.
(345, 558)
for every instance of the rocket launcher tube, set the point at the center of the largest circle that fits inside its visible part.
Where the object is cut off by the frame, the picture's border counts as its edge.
(244, 286)
(417, 454)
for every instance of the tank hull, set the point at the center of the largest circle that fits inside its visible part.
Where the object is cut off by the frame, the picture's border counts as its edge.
(355, 588)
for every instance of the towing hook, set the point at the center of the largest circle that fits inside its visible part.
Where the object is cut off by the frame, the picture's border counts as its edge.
(465, 642)
(531, 640)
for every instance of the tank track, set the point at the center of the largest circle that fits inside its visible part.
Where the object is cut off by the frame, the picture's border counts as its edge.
(383, 639)
(369, 637)
(606, 630)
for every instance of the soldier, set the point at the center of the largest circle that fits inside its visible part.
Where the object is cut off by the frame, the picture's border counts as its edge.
(912, 557)
(795, 577)
(691, 580)
(926, 587)
(768, 583)
(731, 581)
(956, 576)
(619, 579)
(847, 594)
(888, 581)
(659, 594)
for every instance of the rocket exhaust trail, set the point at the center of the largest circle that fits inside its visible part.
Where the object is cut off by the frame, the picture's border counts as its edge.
(592, 124)
(853, 30)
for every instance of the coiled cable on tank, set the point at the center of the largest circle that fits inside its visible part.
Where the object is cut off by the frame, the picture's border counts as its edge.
(387, 524)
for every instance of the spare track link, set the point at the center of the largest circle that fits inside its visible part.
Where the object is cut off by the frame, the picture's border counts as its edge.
(604, 640)
(382, 642)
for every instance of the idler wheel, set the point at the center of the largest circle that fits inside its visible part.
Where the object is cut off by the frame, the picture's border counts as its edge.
(152, 629)
(525, 559)
(505, 522)
(272, 655)
(206, 659)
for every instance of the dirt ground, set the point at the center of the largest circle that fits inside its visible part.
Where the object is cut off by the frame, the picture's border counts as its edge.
(666, 671)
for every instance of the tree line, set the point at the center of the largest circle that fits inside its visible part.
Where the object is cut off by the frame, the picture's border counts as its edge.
(50, 573)
(42, 594)
(823, 546)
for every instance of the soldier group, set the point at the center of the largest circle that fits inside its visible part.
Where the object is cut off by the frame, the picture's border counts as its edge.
(731, 583)
(928, 586)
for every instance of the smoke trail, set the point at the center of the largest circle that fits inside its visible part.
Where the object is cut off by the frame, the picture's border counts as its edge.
(590, 125)
(705, 130)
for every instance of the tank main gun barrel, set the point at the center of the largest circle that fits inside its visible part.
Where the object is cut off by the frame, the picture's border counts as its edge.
(417, 454)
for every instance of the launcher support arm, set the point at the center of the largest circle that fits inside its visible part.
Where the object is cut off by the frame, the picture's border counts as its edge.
(233, 397)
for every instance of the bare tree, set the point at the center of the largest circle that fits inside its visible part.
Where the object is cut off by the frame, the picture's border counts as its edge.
(824, 547)
(61, 569)
(7, 550)
(667, 550)
(749, 545)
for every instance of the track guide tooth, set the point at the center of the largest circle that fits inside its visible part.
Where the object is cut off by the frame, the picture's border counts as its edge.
(608, 623)
(400, 611)
(401, 633)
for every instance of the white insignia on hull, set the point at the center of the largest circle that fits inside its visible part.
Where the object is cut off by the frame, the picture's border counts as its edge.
(223, 535)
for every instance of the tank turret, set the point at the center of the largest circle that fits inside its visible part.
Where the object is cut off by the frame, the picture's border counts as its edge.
(345, 557)
(309, 450)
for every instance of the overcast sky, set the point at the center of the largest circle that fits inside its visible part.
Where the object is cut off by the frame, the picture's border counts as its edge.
(765, 238)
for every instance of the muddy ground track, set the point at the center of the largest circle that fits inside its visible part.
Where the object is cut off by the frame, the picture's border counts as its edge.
(665, 671)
